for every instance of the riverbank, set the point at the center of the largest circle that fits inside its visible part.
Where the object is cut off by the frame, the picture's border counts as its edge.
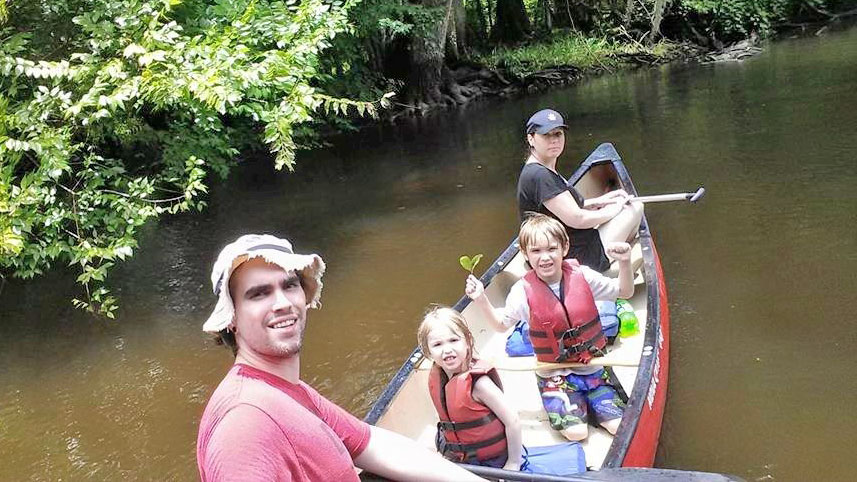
(570, 57)
(566, 59)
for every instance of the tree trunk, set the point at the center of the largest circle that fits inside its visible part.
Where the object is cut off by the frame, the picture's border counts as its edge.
(481, 25)
(456, 37)
(657, 16)
(545, 7)
(512, 23)
(427, 52)
(460, 15)
(629, 9)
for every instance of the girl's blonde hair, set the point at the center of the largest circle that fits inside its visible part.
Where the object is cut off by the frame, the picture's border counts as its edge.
(536, 225)
(442, 315)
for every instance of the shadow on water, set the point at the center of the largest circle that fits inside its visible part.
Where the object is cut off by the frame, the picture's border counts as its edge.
(760, 274)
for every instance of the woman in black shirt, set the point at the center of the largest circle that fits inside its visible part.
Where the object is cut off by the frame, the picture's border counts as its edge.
(541, 189)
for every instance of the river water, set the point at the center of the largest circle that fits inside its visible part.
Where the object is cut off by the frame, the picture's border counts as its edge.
(761, 274)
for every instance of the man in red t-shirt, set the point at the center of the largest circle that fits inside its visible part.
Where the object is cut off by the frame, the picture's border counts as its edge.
(262, 422)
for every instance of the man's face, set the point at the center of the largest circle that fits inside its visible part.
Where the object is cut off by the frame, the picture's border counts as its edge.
(270, 310)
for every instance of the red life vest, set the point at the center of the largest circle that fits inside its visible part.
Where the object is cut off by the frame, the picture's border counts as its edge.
(565, 329)
(469, 428)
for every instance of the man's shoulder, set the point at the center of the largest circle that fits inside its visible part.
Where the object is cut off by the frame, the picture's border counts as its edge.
(237, 388)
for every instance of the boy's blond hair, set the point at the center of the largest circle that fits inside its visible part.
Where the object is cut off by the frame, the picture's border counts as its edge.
(442, 315)
(536, 225)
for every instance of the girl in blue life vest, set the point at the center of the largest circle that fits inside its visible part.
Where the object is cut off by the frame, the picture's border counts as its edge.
(477, 426)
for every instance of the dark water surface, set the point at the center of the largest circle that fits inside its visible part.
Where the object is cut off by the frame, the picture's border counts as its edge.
(761, 274)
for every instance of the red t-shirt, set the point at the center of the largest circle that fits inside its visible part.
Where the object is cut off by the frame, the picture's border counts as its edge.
(258, 426)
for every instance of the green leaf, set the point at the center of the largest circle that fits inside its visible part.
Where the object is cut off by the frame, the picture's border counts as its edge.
(469, 263)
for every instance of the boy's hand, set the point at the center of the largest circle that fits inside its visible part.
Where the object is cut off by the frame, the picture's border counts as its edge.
(619, 251)
(473, 287)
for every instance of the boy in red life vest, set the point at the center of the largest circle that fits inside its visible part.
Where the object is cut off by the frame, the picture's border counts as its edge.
(476, 423)
(557, 298)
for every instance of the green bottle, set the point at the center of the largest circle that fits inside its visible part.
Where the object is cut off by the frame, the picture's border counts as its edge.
(628, 324)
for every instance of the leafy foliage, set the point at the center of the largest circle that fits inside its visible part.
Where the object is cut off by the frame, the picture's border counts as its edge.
(113, 112)
(732, 20)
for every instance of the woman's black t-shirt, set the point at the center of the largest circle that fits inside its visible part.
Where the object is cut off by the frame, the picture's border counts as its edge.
(538, 184)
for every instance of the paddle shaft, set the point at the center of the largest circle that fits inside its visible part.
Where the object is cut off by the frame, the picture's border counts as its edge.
(679, 196)
(597, 361)
(637, 474)
(501, 474)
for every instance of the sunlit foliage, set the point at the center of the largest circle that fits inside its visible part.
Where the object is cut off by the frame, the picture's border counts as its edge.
(113, 112)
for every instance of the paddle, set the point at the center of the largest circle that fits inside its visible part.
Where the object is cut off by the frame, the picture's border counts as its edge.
(636, 474)
(501, 474)
(679, 196)
(523, 364)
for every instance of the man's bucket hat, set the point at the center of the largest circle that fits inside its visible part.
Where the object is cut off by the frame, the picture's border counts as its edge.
(273, 250)
(545, 121)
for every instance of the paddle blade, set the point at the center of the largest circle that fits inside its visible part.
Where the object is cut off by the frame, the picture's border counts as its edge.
(697, 195)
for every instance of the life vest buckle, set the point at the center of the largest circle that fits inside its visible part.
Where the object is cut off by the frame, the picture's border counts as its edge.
(571, 333)
(595, 351)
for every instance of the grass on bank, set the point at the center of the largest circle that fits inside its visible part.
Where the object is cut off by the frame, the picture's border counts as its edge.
(585, 53)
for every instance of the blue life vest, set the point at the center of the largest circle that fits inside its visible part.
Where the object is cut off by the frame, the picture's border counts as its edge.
(609, 317)
(518, 343)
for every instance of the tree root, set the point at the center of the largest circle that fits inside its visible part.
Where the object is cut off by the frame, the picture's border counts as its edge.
(735, 52)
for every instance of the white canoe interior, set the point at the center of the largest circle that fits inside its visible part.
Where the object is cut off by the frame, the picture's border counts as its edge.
(412, 414)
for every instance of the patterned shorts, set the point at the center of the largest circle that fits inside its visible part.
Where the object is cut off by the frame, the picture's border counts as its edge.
(568, 399)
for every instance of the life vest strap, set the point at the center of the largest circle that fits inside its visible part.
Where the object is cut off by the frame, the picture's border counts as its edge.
(466, 450)
(467, 425)
(584, 346)
(572, 332)
(575, 332)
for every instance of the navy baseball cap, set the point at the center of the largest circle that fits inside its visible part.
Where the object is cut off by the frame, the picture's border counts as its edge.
(545, 121)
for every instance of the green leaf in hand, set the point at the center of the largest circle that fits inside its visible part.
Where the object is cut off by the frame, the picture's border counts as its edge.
(469, 263)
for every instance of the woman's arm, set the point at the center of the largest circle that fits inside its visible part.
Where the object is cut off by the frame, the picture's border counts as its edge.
(564, 207)
(486, 392)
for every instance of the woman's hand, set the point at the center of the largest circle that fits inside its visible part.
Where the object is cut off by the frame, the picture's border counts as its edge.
(618, 196)
(473, 288)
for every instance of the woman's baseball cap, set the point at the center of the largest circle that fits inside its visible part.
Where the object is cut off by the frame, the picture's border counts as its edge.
(273, 250)
(545, 121)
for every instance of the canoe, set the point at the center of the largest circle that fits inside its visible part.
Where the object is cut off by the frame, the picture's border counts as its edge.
(639, 363)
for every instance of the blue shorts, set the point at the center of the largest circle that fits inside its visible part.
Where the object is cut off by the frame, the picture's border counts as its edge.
(496, 462)
(568, 399)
